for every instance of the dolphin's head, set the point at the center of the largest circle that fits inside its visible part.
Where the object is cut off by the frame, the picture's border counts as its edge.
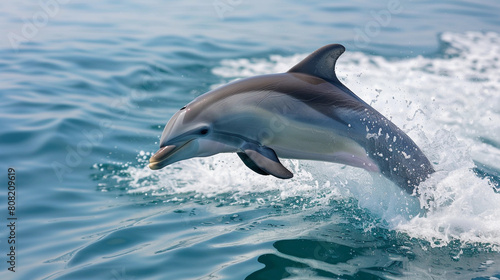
(189, 133)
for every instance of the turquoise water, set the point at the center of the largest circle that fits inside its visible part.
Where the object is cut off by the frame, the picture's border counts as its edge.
(87, 87)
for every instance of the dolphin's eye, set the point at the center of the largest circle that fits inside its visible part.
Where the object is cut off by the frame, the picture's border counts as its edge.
(183, 108)
(204, 131)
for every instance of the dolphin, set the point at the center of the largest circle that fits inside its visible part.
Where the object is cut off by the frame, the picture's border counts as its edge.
(305, 113)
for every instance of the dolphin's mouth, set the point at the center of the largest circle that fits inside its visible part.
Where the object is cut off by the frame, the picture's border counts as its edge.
(158, 160)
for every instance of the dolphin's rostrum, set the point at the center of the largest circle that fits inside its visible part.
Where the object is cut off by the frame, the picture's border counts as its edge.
(305, 113)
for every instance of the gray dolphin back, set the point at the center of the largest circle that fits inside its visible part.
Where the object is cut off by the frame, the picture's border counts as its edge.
(397, 156)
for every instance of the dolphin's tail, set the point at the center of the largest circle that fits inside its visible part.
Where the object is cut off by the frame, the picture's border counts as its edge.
(397, 156)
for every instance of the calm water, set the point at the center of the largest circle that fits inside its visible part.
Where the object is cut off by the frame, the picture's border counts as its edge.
(87, 87)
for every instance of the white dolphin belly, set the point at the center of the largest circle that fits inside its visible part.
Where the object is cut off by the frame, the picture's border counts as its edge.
(303, 141)
(296, 139)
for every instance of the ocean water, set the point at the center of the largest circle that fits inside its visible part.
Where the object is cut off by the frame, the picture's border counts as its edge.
(87, 87)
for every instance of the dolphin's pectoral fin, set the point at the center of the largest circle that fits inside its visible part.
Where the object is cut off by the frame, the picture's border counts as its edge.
(263, 160)
(251, 164)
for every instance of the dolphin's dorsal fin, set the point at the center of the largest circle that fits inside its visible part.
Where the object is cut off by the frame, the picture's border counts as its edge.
(321, 63)
(263, 160)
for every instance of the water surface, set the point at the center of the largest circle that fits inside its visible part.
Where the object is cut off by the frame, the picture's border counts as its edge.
(87, 90)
